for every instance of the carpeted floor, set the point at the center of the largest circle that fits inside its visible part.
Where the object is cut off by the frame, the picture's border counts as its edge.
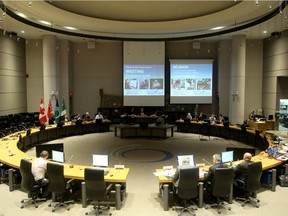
(143, 156)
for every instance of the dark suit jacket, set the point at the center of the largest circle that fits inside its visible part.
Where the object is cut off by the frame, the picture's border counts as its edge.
(241, 171)
(209, 176)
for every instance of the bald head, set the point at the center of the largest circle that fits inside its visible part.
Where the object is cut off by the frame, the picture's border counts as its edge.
(247, 156)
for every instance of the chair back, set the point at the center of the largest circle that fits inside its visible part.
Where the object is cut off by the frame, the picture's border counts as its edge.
(95, 184)
(188, 182)
(57, 181)
(27, 182)
(222, 182)
(253, 182)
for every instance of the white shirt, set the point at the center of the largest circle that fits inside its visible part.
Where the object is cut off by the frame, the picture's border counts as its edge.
(39, 168)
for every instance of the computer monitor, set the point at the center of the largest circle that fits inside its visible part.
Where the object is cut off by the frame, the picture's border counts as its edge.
(49, 148)
(270, 152)
(98, 121)
(58, 156)
(275, 149)
(227, 156)
(100, 160)
(238, 153)
(191, 159)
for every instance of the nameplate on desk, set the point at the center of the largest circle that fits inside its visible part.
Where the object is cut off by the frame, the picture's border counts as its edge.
(167, 167)
(119, 166)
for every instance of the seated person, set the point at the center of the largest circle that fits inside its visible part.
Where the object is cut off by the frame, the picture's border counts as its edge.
(208, 177)
(202, 116)
(160, 120)
(240, 175)
(220, 119)
(189, 116)
(86, 116)
(99, 118)
(185, 164)
(212, 119)
(39, 168)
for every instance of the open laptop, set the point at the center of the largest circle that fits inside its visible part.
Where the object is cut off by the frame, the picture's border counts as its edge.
(101, 161)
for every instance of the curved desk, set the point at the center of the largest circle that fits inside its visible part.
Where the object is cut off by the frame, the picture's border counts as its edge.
(267, 163)
(11, 155)
(232, 132)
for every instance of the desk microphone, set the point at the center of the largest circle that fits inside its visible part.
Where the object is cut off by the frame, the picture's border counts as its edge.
(206, 161)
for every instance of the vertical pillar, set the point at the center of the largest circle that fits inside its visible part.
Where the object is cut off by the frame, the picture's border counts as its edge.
(237, 82)
(50, 81)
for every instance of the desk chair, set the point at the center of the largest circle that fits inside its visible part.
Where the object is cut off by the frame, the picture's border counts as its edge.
(96, 189)
(57, 185)
(252, 184)
(221, 187)
(188, 188)
(28, 184)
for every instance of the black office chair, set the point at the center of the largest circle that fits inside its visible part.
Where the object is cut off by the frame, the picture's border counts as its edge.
(252, 184)
(58, 185)
(221, 187)
(188, 188)
(28, 184)
(96, 190)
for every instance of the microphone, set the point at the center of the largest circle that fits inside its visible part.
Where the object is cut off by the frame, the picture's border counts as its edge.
(206, 161)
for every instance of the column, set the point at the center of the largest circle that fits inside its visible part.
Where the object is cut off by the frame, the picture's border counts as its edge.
(50, 81)
(237, 82)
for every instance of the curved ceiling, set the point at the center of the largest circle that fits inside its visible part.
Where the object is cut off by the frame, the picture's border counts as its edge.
(142, 20)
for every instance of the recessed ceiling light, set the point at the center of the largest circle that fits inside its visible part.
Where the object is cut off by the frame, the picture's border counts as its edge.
(21, 15)
(22, 32)
(217, 28)
(44, 22)
(70, 28)
(265, 32)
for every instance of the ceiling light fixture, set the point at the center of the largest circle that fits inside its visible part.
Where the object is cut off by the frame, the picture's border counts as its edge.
(217, 28)
(30, 4)
(70, 28)
(21, 15)
(44, 22)
(257, 3)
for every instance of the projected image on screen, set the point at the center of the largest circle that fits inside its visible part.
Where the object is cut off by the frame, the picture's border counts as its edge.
(191, 81)
(143, 73)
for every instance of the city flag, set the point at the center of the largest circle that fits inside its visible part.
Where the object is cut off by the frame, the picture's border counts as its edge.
(49, 109)
(57, 112)
(42, 115)
(63, 108)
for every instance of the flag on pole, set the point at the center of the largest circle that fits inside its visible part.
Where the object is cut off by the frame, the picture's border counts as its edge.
(63, 108)
(49, 109)
(57, 112)
(42, 115)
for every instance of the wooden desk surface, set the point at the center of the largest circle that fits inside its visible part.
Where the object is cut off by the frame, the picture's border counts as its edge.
(11, 156)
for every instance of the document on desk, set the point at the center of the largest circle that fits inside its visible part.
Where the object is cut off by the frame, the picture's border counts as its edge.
(167, 173)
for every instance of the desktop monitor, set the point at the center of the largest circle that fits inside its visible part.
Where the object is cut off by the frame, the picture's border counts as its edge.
(49, 148)
(58, 156)
(98, 121)
(238, 153)
(270, 152)
(227, 156)
(187, 120)
(275, 149)
(100, 160)
(191, 159)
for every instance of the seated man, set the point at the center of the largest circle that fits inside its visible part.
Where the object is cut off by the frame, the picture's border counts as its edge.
(241, 172)
(176, 177)
(208, 177)
(39, 168)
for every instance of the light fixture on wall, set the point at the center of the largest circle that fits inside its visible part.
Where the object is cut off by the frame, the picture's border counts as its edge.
(235, 94)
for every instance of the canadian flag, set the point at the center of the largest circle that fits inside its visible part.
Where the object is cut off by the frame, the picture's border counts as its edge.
(42, 115)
